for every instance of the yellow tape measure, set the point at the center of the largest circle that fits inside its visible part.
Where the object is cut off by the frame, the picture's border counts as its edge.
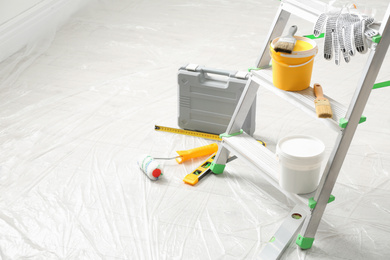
(192, 133)
(187, 132)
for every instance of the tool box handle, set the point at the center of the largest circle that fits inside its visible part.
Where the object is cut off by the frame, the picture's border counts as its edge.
(219, 72)
(201, 69)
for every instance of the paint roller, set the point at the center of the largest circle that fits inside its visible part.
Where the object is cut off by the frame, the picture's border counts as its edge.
(151, 168)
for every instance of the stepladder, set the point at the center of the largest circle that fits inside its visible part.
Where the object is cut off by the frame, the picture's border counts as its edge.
(301, 224)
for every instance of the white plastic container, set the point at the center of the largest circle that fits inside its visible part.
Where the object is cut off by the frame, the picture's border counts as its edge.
(300, 160)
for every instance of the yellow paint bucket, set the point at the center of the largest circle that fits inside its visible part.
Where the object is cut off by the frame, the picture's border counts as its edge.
(292, 72)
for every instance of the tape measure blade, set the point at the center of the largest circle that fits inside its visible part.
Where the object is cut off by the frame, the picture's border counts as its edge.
(187, 132)
(193, 133)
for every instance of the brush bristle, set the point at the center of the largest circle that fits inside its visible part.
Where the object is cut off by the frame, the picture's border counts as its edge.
(323, 108)
(286, 47)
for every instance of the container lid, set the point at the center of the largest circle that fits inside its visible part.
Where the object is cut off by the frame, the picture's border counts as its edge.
(301, 148)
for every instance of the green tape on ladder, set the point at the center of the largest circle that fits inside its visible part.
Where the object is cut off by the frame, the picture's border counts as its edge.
(313, 203)
(230, 135)
(344, 122)
(311, 36)
(253, 68)
(381, 84)
(376, 39)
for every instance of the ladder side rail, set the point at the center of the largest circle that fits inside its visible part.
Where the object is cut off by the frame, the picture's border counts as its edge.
(237, 120)
(283, 237)
(243, 106)
(276, 30)
(345, 137)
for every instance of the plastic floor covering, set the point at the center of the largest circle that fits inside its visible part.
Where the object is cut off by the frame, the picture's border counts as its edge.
(79, 106)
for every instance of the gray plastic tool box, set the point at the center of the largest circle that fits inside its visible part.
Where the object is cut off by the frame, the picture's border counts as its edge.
(208, 98)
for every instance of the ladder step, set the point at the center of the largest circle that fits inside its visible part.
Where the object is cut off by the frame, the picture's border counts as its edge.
(246, 147)
(262, 160)
(303, 99)
(308, 10)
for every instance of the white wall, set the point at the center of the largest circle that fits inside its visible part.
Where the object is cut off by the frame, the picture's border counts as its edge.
(11, 9)
(24, 23)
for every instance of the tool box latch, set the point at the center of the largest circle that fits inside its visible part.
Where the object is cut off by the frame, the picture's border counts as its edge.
(241, 75)
(192, 67)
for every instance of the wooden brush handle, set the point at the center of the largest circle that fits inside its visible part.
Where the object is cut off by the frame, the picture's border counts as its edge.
(318, 91)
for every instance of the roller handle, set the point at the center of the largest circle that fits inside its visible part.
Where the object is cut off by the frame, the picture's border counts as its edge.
(318, 92)
(197, 152)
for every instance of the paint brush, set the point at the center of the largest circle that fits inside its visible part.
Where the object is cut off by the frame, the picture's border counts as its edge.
(286, 43)
(323, 108)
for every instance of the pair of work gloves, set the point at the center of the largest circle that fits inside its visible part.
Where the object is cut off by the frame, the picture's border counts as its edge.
(344, 32)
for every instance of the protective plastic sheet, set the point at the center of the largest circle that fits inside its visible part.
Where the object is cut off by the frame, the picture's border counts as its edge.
(77, 108)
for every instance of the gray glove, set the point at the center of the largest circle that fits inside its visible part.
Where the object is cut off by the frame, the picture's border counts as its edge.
(331, 37)
(344, 32)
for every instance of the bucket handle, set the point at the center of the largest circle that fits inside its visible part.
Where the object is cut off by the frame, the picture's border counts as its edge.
(293, 66)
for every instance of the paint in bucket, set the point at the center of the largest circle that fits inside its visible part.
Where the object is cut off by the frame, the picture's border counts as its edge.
(300, 160)
(292, 72)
